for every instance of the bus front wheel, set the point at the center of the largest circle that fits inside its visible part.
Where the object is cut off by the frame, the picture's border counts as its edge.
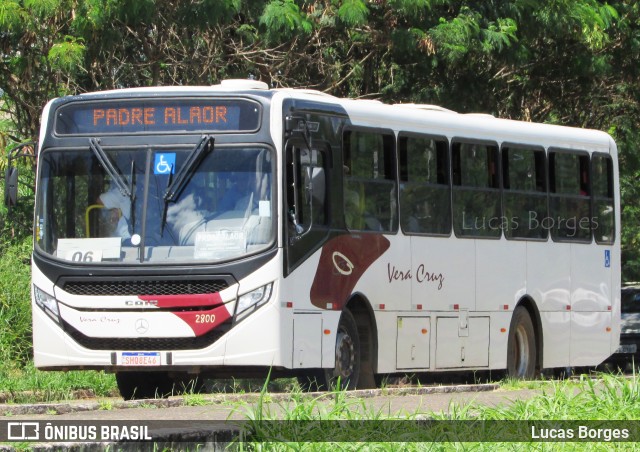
(347, 366)
(521, 348)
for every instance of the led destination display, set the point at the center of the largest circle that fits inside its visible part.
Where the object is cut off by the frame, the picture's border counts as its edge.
(161, 115)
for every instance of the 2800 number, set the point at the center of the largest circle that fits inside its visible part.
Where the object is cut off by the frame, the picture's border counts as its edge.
(205, 318)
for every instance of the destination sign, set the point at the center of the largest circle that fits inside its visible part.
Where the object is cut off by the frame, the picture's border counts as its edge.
(133, 116)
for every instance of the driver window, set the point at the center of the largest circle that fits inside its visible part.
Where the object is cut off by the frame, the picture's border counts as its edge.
(306, 188)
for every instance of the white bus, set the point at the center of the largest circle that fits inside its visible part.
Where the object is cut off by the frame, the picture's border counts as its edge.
(236, 229)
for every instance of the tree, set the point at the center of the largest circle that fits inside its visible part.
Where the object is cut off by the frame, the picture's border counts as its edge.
(560, 61)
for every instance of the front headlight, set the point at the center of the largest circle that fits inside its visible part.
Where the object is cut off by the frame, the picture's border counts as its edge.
(251, 301)
(46, 302)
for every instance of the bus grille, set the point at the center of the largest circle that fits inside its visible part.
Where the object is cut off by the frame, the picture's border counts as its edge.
(166, 287)
(147, 343)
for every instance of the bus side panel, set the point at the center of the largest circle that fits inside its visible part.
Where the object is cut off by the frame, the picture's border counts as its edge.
(500, 274)
(549, 284)
(557, 338)
(445, 274)
(616, 271)
(591, 297)
(298, 351)
(615, 298)
(388, 280)
(387, 323)
(498, 339)
(386, 285)
(589, 338)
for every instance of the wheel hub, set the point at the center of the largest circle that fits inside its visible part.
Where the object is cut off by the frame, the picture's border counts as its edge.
(522, 351)
(345, 356)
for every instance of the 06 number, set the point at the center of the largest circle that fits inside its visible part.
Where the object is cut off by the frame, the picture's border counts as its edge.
(79, 256)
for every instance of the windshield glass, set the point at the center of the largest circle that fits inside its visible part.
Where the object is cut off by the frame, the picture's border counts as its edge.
(85, 213)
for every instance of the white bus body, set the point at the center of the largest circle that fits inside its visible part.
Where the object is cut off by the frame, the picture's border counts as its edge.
(459, 283)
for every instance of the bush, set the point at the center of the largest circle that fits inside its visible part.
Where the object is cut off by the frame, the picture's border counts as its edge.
(15, 305)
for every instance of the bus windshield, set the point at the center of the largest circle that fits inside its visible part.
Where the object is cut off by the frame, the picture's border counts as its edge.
(92, 211)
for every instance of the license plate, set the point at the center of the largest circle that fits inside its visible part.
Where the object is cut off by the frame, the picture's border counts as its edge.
(139, 359)
(627, 348)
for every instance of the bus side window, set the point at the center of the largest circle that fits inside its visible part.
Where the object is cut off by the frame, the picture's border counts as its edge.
(369, 181)
(525, 193)
(476, 190)
(603, 221)
(425, 197)
(569, 200)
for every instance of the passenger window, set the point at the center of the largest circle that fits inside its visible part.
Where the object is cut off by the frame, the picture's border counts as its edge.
(525, 193)
(425, 199)
(476, 190)
(369, 181)
(569, 200)
(603, 205)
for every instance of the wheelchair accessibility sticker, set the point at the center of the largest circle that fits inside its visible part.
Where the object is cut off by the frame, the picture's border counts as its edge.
(165, 163)
(607, 258)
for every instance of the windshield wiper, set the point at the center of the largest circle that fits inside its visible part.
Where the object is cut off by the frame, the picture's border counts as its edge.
(190, 165)
(177, 184)
(97, 150)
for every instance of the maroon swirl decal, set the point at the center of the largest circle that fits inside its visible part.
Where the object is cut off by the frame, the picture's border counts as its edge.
(343, 261)
(202, 322)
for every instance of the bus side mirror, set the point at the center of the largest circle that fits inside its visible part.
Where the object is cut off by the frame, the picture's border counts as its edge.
(11, 186)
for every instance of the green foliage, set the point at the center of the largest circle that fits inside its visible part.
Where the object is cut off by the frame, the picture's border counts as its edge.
(454, 38)
(16, 223)
(283, 18)
(499, 35)
(11, 15)
(42, 8)
(353, 12)
(15, 303)
(26, 384)
(411, 8)
(67, 55)
(609, 397)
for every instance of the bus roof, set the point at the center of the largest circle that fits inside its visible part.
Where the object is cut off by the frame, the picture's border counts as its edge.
(422, 118)
(440, 121)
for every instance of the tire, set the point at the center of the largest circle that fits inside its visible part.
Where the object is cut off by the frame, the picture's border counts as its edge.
(144, 385)
(347, 366)
(521, 348)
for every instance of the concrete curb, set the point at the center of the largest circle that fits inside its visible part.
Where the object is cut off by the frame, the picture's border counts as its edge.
(213, 399)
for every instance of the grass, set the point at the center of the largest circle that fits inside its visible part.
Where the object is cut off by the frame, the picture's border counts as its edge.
(15, 303)
(250, 385)
(29, 385)
(335, 422)
(20, 382)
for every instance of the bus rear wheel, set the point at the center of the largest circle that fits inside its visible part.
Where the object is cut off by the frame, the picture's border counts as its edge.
(347, 367)
(521, 347)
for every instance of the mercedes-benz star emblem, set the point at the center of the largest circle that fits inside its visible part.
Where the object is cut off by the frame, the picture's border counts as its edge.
(142, 326)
